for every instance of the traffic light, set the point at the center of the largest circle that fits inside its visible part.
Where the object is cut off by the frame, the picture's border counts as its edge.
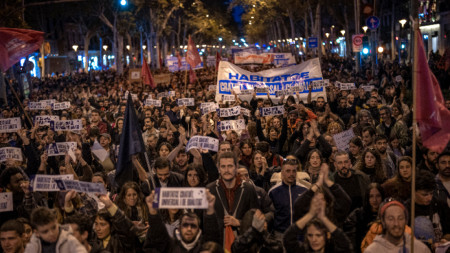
(366, 46)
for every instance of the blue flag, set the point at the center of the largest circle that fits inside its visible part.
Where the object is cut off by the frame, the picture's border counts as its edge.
(131, 143)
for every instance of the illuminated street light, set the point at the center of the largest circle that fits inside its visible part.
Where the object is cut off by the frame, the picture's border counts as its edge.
(144, 47)
(123, 2)
(327, 35)
(343, 32)
(128, 47)
(105, 47)
(365, 28)
(220, 38)
(402, 22)
(380, 50)
(75, 47)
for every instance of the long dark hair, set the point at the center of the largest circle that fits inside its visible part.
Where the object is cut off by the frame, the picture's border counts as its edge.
(140, 205)
(321, 227)
(380, 173)
(366, 203)
(200, 173)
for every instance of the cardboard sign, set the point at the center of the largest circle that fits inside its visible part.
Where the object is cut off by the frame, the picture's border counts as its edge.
(226, 125)
(229, 112)
(61, 148)
(180, 198)
(6, 201)
(10, 125)
(66, 125)
(367, 88)
(61, 106)
(44, 120)
(135, 75)
(161, 78)
(342, 139)
(10, 153)
(203, 142)
(275, 110)
(186, 102)
(152, 102)
(80, 186)
(46, 183)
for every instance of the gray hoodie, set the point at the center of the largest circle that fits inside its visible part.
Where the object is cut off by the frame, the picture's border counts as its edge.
(380, 244)
(66, 243)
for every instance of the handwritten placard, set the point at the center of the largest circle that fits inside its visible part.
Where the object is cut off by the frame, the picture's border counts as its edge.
(66, 125)
(226, 125)
(44, 120)
(269, 111)
(186, 102)
(229, 112)
(10, 153)
(342, 139)
(10, 125)
(61, 106)
(152, 102)
(61, 148)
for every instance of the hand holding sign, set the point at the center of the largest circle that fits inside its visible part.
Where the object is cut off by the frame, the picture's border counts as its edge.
(149, 201)
(211, 200)
(105, 200)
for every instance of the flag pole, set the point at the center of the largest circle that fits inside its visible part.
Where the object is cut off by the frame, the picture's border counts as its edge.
(414, 125)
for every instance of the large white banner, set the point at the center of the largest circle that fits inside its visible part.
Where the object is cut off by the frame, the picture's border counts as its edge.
(301, 75)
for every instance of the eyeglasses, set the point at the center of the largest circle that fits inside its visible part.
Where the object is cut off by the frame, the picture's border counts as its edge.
(192, 225)
(290, 161)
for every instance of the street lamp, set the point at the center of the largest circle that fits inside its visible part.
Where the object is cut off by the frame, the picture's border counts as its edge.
(75, 47)
(365, 28)
(327, 35)
(220, 38)
(144, 47)
(128, 47)
(380, 50)
(402, 22)
(105, 47)
(343, 32)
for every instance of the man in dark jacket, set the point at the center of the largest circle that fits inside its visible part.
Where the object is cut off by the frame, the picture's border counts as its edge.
(283, 196)
(164, 177)
(234, 197)
(188, 237)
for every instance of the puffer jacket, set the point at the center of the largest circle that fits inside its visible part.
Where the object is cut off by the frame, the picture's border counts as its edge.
(66, 243)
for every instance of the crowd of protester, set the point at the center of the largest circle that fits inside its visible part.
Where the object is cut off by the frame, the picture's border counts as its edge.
(280, 185)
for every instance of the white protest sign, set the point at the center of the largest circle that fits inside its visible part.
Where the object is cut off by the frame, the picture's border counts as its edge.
(6, 201)
(228, 98)
(10, 125)
(186, 102)
(172, 93)
(61, 148)
(212, 87)
(80, 186)
(346, 86)
(229, 112)
(61, 106)
(342, 139)
(44, 120)
(246, 112)
(46, 183)
(203, 142)
(320, 83)
(275, 110)
(280, 93)
(162, 94)
(66, 125)
(10, 153)
(32, 106)
(231, 125)
(48, 102)
(367, 88)
(154, 102)
(230, 75)
(208, 107)
(180, 198)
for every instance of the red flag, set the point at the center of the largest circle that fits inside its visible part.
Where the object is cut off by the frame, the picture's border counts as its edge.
(192, 55)
(218, 59)
(147, 75)
(229, 239)
(431, 114)
(17, 43)
(179, 59)
(192, 76)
